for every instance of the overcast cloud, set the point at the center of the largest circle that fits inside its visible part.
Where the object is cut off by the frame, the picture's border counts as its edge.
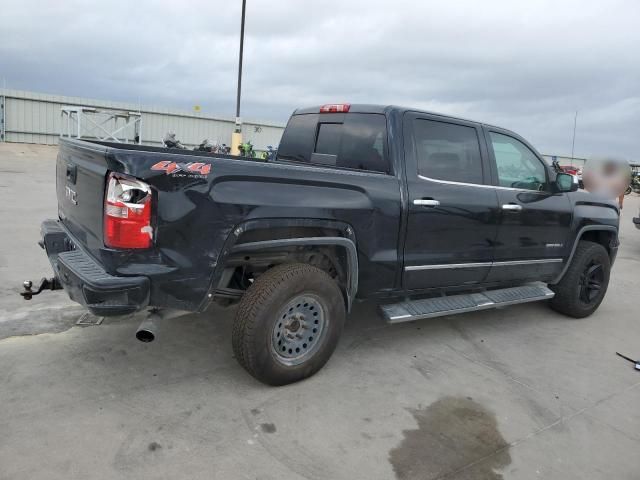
(527, 66)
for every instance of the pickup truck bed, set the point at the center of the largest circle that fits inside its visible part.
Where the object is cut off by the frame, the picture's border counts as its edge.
(197, 214)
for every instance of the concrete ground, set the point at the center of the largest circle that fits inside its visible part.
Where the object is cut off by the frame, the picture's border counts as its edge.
(517, 393)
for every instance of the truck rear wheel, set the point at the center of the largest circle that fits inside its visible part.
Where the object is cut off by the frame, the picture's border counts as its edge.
(288, 323)
(584, 285)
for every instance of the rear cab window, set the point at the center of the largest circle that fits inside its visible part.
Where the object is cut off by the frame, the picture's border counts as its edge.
(356, 141)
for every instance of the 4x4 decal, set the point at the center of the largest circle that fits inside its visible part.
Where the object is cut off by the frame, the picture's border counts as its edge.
(189, 169)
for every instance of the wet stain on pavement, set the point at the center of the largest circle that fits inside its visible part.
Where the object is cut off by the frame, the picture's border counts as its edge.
(456, 438)
(268, 427)
(153, 446)
(25, 322)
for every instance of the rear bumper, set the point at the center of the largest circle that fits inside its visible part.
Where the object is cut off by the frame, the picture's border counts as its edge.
(86, 281)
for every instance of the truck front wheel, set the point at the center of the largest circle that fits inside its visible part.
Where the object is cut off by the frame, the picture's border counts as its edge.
(288, 323)
(585, 282)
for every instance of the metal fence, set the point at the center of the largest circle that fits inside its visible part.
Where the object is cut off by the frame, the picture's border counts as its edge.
(30, 117)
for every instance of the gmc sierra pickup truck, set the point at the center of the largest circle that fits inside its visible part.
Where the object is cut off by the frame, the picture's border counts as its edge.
(428, 214)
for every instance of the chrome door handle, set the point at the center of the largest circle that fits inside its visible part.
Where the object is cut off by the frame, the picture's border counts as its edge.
(512, 207)
(426, 203)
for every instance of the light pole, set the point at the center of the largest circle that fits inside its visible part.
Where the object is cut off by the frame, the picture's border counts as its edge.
(573, 142)
(236, 136)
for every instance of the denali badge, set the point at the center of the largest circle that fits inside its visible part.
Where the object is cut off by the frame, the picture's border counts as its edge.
(190, 169)
(71, 195)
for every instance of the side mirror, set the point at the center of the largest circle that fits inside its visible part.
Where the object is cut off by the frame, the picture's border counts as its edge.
(566, 182)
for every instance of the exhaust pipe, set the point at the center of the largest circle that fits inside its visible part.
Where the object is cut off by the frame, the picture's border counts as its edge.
(147, 330)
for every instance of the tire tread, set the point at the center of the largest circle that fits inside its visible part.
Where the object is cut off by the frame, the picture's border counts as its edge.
(255, 297)
(565, 300)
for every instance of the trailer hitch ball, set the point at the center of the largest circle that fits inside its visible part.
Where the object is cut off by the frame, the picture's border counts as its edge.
(27, 294)
(45, 284)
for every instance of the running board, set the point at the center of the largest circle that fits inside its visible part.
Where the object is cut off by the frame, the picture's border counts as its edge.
(470, 302)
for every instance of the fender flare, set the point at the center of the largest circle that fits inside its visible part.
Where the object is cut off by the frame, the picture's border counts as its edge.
(347, 242)
(609, 228)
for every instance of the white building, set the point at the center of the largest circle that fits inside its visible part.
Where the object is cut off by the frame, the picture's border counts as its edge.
(29, 117)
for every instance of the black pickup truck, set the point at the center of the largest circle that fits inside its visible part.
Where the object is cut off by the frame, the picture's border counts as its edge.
(429, 214)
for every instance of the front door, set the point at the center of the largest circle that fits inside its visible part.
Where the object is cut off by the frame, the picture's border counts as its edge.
(534, 222)
(453, 211)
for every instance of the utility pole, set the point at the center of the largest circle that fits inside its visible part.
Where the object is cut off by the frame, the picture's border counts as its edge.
(573, 142)
(236, 137)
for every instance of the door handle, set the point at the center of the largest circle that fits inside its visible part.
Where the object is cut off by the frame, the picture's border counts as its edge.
(426, 202)
(513, 207)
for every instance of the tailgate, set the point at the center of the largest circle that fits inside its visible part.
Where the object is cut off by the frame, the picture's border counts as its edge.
(81, 171)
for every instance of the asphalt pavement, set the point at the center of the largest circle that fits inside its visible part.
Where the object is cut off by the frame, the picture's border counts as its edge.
(516, 393)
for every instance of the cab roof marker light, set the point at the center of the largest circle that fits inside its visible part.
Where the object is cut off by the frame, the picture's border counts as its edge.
(335, 108)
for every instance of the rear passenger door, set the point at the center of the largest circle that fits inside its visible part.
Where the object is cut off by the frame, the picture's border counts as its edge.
(452, 211)
(534, 221)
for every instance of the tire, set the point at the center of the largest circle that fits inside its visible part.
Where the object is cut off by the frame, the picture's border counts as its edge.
(289, 307)
(628, 190)
(590, 265)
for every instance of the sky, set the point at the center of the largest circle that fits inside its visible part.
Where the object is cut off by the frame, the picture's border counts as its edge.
(523, 65)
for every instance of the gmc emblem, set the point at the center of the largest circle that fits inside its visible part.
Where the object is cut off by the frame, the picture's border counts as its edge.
(71, 195)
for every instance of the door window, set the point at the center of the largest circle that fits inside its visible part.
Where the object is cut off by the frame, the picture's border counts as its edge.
(518, 166)
(446, 151)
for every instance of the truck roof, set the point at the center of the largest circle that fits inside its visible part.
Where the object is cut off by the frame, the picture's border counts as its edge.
(383, 109)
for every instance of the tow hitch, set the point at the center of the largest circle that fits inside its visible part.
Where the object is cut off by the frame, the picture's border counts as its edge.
(45, 284)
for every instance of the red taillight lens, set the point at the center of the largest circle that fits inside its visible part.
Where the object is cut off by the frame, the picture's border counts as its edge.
(335, 108)
(127, 213)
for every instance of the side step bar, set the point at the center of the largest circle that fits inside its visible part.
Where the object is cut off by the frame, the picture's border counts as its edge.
(440, 306)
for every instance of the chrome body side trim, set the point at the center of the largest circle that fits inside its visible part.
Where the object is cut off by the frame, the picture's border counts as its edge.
(481, 185)
(412, 268)
(509, 263)
(527, 262)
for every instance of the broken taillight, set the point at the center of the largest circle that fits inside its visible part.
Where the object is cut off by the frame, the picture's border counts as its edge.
(127, 213)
